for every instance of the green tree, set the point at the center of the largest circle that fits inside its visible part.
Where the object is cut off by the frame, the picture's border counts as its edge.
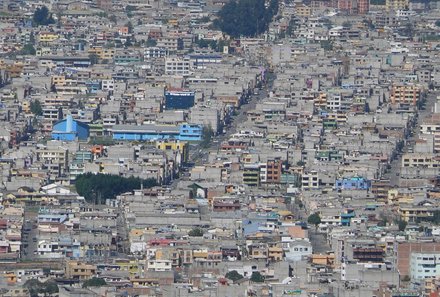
(402, 225)
(96, 188)
(347, 24)
(246, 17)
(94, 282)
(28, 49)
(256, 277)
(207, 134)
(129, 25)
(113, 19)
(36, 108)
(36, 287)
(314, 219)
(234, 275)
(327, 45)
(151, 42)
(93, 59)
(42, 17)
(196, 232)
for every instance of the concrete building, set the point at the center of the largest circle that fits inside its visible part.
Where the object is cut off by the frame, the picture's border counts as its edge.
(69, 130)
(424, 265)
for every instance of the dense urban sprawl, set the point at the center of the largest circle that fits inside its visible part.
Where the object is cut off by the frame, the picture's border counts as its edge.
(220, 148)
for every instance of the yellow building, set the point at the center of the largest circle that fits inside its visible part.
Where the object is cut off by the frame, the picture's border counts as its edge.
(132, 266)
(396, 5)
(10, 277)
(303, 10)
(107, 54)
(173, 145)
(26, 106)
(80, 270)
(276, 253)
(173, 22)
(102, 53)
(58, 80)
(413, 213)
(394, 198)
(326, 259)
(47, 37)
(320, 101)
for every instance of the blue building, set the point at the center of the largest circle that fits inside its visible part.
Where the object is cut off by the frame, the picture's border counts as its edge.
(353, 183)
(179, 99)
(69, 130)
(346, 217)
(93, 86)
(187, 132)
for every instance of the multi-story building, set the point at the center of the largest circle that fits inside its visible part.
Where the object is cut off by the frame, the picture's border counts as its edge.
(409, 213)
(55, 160)
(80, 270)
(393, 5)
(363, 6)
(425, 160)
(174, 145)
(424, 265)
(179, 99)
(273, 169)
(177, 66)
(251, 174)
(405, 94)
(310, 181)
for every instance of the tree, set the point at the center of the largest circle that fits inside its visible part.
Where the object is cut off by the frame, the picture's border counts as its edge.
(347, 24)
(207, 134)
(36, 108)
(28, 49)
(314, 219)
(94, 282)
(96, 188)
(129, 25)
(402, 225)
(42, 17)
(113, 19)
(234, 275)
(437, 23)
(327, 45)
(151, 42)
(36, 287)
(196, 232)
(93, 59)
(246, 17)
(256, 277)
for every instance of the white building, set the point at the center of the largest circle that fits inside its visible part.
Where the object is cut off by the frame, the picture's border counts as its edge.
(310, 181)
(159, 265)
(425, 265)
(177, 66)
(296, 250)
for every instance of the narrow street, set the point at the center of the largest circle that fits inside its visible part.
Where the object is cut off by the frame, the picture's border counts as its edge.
(393, 173)
(200, 155)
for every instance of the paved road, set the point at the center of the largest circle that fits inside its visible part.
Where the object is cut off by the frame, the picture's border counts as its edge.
(393, 174)
(29, 235)
(200, 155)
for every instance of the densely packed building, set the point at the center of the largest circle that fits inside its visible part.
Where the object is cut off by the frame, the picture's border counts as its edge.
(302, 161)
